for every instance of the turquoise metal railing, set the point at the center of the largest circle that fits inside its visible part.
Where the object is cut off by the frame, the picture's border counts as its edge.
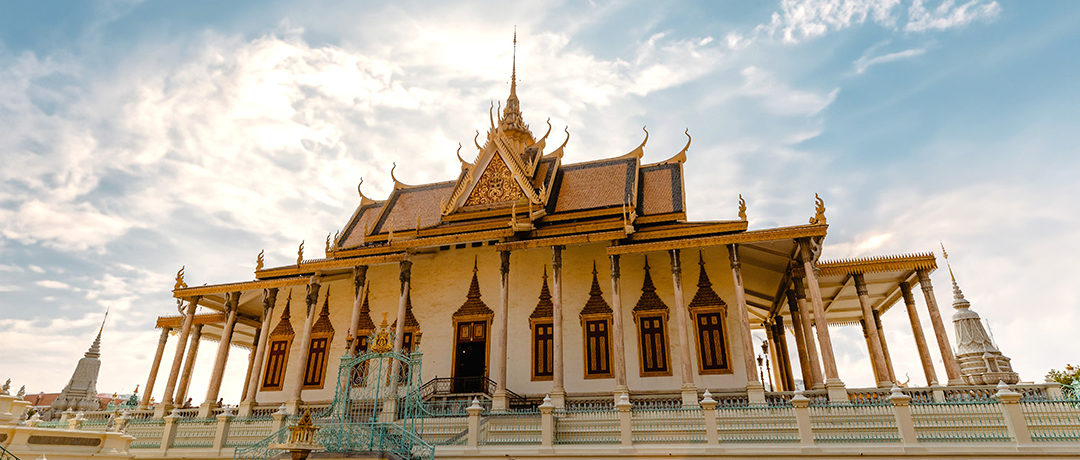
(1053, 420)
(772, 423)
(594, 423)
(194, 432)
(511, 427)
(5, 455)
(98, 425)
(445, 431)
(667, 423)
(261, 450)
(147, 432)
(853, 423)
(966, 421)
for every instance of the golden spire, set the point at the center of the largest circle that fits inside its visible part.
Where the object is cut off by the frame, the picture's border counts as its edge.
(947, 264)
(511, 115)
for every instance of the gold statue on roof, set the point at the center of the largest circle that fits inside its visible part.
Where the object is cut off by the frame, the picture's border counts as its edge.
(300, 253)
(819, 211)
(180, 284)
(742, 208)
(259, 260)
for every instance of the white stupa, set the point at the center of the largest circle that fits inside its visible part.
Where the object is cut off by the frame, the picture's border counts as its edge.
(981, 363)
(80, 394)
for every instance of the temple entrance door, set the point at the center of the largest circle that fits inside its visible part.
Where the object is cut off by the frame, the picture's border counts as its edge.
(470, 357)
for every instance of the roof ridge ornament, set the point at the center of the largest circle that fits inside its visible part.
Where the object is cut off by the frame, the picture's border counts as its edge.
(180, 284)
(958, 296)
(300, 253)
(640, 150)
(259, 262)
(819, 211)
(742, 208)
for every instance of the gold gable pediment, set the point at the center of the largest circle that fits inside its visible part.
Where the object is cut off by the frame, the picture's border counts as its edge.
(495, 185)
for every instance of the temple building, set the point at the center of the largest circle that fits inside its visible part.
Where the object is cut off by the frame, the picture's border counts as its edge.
(529, 277)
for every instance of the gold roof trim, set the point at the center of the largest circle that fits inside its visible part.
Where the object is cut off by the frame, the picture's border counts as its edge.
(560, 240)
(239, 286)
(780, 233)
(878, 264)
(310, 266)
(175, 322)
(677, 230)
(398, 245)
(640, 150)
(678, 158)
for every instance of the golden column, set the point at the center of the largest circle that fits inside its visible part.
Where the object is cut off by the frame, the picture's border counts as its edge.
(181, 342)
(145, 401)
(816, 379)
(877, 358)
(920, 337)
(232, 308)
(952, 367)
(884, 346)
(833, 384)
(189, 365)
(558, 391)
(618, 340)
(754, 388)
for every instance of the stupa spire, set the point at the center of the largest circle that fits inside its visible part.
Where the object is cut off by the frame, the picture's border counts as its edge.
(95, 347)
(958, 296)
(511, 121)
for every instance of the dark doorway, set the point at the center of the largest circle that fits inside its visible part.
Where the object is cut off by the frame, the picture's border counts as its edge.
(470, 360)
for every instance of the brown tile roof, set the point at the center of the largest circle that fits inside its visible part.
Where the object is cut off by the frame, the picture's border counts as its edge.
(410, 320)
(473, 304)
(649, 300)
(354, 233)
(596, 302)
(322, 325)
(705, 296)
(660, 191)
(404, 205)
(544, 307)
(283, 328)
(597, 184)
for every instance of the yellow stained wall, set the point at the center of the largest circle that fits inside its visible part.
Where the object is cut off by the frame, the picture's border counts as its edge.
(439, 285)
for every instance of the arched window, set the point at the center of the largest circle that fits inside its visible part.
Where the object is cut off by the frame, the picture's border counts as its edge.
(277, 352)
(709, 313)
(322, 333)
(651, 314)
(596, 326)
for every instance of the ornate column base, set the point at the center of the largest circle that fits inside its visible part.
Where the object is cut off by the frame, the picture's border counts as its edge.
(619, 391)
(558, 398)
(245, 409)
(755, 392)
(498, 401)
(205, 408)
(836, 390)
(885, 384)
(292, 407)
(689, 394)
(162, 408)
(954, 382)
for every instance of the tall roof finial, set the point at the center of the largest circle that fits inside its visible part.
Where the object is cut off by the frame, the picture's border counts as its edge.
(95, 348)
(513, 66)
(947, 264)
(958, 296)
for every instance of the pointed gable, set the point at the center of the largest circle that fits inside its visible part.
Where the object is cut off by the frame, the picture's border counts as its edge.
(705, 295)
(473, 306)
(366, 324)
(495, 185)
(649, 300)
(411, 324)
(323, 325)
(544, 307)
(284, 327)
(596, 303)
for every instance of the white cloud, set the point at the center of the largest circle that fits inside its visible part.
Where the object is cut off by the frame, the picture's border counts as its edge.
(10, 268)
(10, 288)
(36, 269)
(53, 284)
(865, 62)
(949, 15)
(779, 99)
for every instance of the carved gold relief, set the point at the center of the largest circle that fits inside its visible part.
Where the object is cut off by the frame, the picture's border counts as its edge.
(496, 185)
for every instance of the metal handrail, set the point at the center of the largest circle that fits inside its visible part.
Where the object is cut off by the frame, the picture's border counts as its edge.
(5, 455)
(446, 385)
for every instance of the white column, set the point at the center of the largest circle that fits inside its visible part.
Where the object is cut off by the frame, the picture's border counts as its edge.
(232, 305)
(688, 389)
(269, 300)
(359, 287)
(833, 384)
(498, 400)
(754, 388)
(618, 339)
(312, 301)
(145, 401)
(174, 373)
(558, 392)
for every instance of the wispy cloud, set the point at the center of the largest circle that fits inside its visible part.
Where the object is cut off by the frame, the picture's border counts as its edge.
(865, 62)
(53, 284)
(949, 15)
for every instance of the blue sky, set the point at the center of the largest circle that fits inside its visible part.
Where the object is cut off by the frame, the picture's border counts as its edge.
(140, 137)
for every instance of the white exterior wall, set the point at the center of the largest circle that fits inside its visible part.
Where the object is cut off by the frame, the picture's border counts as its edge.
(441, 280)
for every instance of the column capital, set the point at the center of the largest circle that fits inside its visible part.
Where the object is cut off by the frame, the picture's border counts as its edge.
(676, 268)
(800, 290)
(359, 275)
(905, 292)
(312, 297)
(615, 271)
(556, 257)
(793, 302)
(733, 256)
(504, 262)
(860, 283)
(269, 299)
(405, 271)
(924, 279)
